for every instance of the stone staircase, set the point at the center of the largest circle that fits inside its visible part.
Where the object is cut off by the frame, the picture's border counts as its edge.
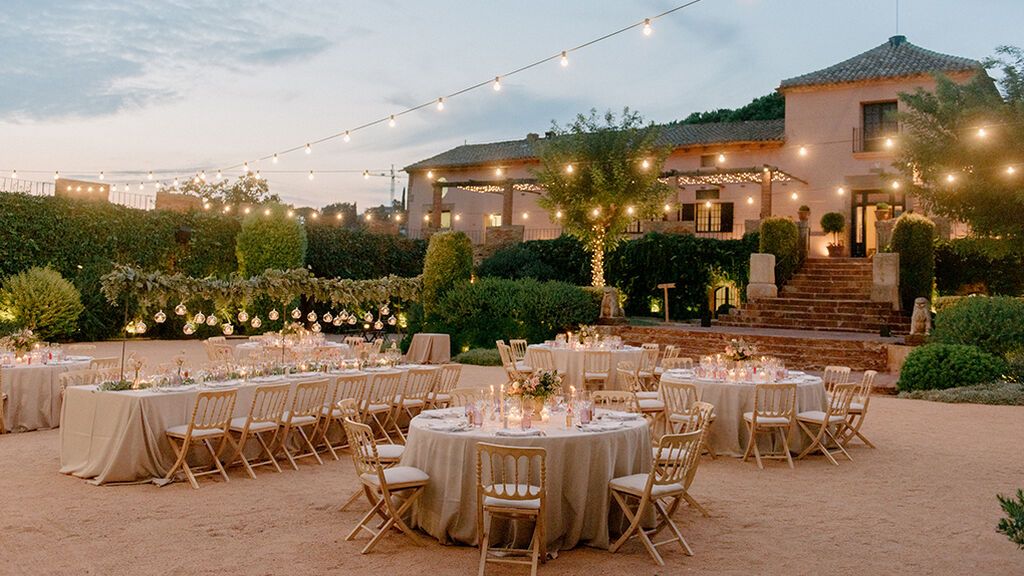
(830, 294)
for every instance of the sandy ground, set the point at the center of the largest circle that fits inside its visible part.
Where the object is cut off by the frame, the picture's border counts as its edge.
(923, 503)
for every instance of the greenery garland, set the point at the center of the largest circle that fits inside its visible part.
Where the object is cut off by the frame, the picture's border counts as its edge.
(160, 289)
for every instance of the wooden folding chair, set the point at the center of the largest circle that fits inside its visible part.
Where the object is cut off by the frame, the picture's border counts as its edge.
(388, 454)
(348, 386)
(263, 423)
(859, 409)
(597, 367)
(447, 380)
(107, 368)
(621, 400)
(518, 348)
(379, 400)
(819, 425)
(211, 418)
(632, 381)
(542, 359)
(664, 484)
(774, 412)
(700, 417)
(413, 396)
(511, 483)
(82, 377)
(679, 398)
(303, 420)
(646, 370)
(391, 491)
(835, 375)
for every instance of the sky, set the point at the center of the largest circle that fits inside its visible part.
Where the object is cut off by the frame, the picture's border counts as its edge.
(177, 86)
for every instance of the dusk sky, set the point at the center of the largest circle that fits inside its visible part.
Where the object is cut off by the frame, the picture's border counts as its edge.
(173, 87)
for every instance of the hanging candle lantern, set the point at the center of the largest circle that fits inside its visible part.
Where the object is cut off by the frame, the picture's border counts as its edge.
(296, 313)
(227, 329)
(344, 315)
(274, 315)
(337, 321)
(189, 329)
(311, 316)
(378, 325)
(211, 320)
(384, 310)
(368, 317)
(140, 327)
(199, 318)
(351, 319)
(392, 320)
(180, 309)
(130, 327)
(243, 316)
(316, 327)
(256, 322)
(327, 317)
(160, 317)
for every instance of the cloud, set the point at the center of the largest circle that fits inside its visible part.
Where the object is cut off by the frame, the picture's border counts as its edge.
(68, 58)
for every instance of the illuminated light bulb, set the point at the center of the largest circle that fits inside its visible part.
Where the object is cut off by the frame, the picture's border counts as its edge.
(667, 207)
(311, 317)
(101, 189)
(840, 191)
(291, 213)
(1010, 169)
(458, 217)
(895, 184)
(398, 217)
(310, 174)
(219, 175)
(346, 137)
(569, 168)
(206, 206)
(647, 27)
(440, 104)
(309, 149)
(150, 175)
(266, 212)
(68, 188)
(721, 158)
(430, 174)
(274, 160)
(142, 186)
(247, 210)
(175, 182)
(90, 188)
(750, 199)
(794, 196)
(391, 121)
(889, 143)
(369, 216)
(426, 217)
(114, 188)
(56, 174)
(629, 210)
(189, 329)
(79, 189)
(596, 212)
(498, 171)
(314, 215)
(101, 175)
(227, 209)
(14, 174)
(202, 175)
(256, 322)
(196, 180)
(246, 167)
(707, 204)
(296, 313)
(950, 178)
(337, 216)
(211, 320)
(497, 83)
(258, 175)
(558, 214)
(645, 164)
(274, 314)
(366, 174)
(160, 317)
(526, 215)
(565, 59)
(802, 151)
(982, 133)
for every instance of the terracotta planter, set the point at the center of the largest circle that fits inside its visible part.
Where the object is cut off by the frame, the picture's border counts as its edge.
(804, 215)
(835, 250)
(882, 214)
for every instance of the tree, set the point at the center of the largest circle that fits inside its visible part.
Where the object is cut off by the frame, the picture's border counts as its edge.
(768, 107)
(600, 174)
(962, 146)
(248, 189)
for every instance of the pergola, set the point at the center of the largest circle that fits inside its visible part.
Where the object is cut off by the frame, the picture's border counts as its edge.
(764, 175)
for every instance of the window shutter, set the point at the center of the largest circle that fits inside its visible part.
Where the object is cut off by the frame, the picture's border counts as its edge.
(726, 217)
(687, 213)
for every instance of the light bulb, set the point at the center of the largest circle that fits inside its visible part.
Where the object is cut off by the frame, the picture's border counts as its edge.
(266, 211)
(721, 158)
(840, 191)
(895, 184)
(647, 27)
(497, 83)
(667, 207)
(202, 175)
(310, 174)
(750, 199)
(291, 213)
(440, 104)
(206, 205)
(142, 186)
(707, 204)
(101, 175)
(337, 216)
(526, 215)
(247, 210)
(275, 158)
(391, 121)
(426, 217)
(558, 214)
(645, 164)
(309, 149)
(227, 209)
(458, 217)
(366, 174)
(219, 175)
(889, 143)
(430, 174)
(565, 59)
(346, 137)
(569, 168)
(498, 171)
(56, 174)
(14, 174)
(982, 133)
(369, 216)
(258, 175)
(175, 182)
(802, 151)
(794, 196)
(150, 175)
(596, 212)
(246, 167)
(1010, 169)
(950, 178)
(314, 215)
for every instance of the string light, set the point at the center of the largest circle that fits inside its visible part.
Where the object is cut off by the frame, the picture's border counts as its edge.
(309, 149)
(645, 164)
(175, 182)
(1010, 169)
(14, 174)
(950, 178)
(337, 216)
(840, 191)
(794, 196)
(430, 174)
(246, 167)
(101, 175)
(558, 214)
(721, 158)
(310, 174)
(426, 217)
(596, 212)
(526, 215)
(391, 121)
(497, 83)
(569, 169)
(366, 174)
(206, 205)
(247, 210)
(314, 215)
(258, 175)
(346, 137)
(150, 175)
(647, 27)
(564, 59)
(802, 151)
(750, 199)
(275, 158)
(398, 217)
(141, 186)
(196, 179)
(982, 133)
(667, 207)
(498, 171)
(889, 143)
(440, 104)
(56, 174)
(895, 184)
(291, 213)
(227, 209)
(707, 204)
(369, 216)
(266, 211)
(219, 175)
(629, 210)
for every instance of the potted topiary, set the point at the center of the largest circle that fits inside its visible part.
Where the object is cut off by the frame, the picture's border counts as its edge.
(804, 212)
(883, 211)
(833, 223)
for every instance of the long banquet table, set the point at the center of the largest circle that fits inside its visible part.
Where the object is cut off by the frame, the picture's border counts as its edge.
(119, 436)
(569, 362)
(579, 466)
(33, 393)
(728, 434)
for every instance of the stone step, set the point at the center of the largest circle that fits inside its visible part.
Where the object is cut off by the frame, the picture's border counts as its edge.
(838, 327)
(831, 274)
(825, 294)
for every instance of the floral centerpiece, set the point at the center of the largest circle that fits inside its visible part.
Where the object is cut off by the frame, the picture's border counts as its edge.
(589, 333)
(21, 341)
(739, 351)
(536, 388)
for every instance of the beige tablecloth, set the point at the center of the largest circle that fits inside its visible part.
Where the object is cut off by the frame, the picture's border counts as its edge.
(427, 348)
(579, 466)
(33, 394)
(569, 363)
(246, 349)
(119, 436)
(728, 434)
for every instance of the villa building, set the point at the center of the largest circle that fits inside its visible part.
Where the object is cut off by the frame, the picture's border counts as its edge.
(833, 152)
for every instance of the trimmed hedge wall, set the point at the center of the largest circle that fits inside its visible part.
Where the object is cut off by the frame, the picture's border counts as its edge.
(448, 264)
(941, 366)
(781, 237)
(913, 237)
(347, 253)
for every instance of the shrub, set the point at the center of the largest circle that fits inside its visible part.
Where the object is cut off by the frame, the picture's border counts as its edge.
(993, 393)
(781, 237)
(516, 261)
(492, 309)
(448, 263)
(334, 251)
(42, 300)
(1013, 525)
(270, 243)
(1015, 365)
(941, 366)
(479, 357)
(995, 325)
(833, 223)
(913, 237)
(979, 265)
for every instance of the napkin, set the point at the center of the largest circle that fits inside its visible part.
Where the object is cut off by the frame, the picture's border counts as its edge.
(600, 426)
(518, 433)
(616, 415)
(443, 413)
(450, 426)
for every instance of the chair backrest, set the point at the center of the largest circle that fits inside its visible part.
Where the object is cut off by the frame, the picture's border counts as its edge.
(648, 359)
(542, 359)
(835, 375)
(701, 414)
(309, 398)
(671, 351)
(629, 378)
(449, 378)
(597, 361)
(364, 449)
(677, 363)
(518, 348)
(268, 403)
(867, 385)
(774, 401)
(77, 377)
(839, 401)
(349, 408)
(650, 346)
(213, 410)
(679, 453)
(616, 400)
(350, 386)
(466, 396)
(354, 341)
(419, 383)
(511, 472)
(678, 397)
(383, 388)
(505, 353)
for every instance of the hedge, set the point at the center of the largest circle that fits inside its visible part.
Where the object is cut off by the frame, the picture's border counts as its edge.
(448, 263)
(270, 243)
(42, 300)
(941, 366)
(781, 237)
(913, 237)
(975, 265)
(334, 251)
(995, 325)
(476, 314)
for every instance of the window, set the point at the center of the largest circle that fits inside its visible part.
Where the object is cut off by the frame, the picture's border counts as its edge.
(494, 219)
(879, 123)
(708, 160)
(709, 216)
(446, 219)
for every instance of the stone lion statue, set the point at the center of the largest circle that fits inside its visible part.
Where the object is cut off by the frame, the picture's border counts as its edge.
(921, 320)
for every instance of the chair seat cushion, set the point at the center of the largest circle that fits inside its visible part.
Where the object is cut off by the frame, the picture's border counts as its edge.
(379, 407)
(818, 416)
(856, 407)
(180, 432)
(298, 420)
(649, 404)
(514, 489)
(408, 402)
(390, 451)
(523, 366)
(679, 417)
(749, 417)
(440, 397)
(398, 475)
(647, 395)
(238, 424)
(635, 484)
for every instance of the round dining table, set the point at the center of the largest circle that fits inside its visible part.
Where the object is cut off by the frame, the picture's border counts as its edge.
(569, 362)
(33, 392)
(728, 433)
(580, 463)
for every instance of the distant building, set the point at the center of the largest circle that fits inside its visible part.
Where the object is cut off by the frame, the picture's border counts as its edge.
(833, 153)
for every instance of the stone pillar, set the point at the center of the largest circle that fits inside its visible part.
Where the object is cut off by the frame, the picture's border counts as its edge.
(506, 204)
(435, 210)
(762, 277)
(885, 278)
(766, 193)
(883, 233)
(805, 238)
